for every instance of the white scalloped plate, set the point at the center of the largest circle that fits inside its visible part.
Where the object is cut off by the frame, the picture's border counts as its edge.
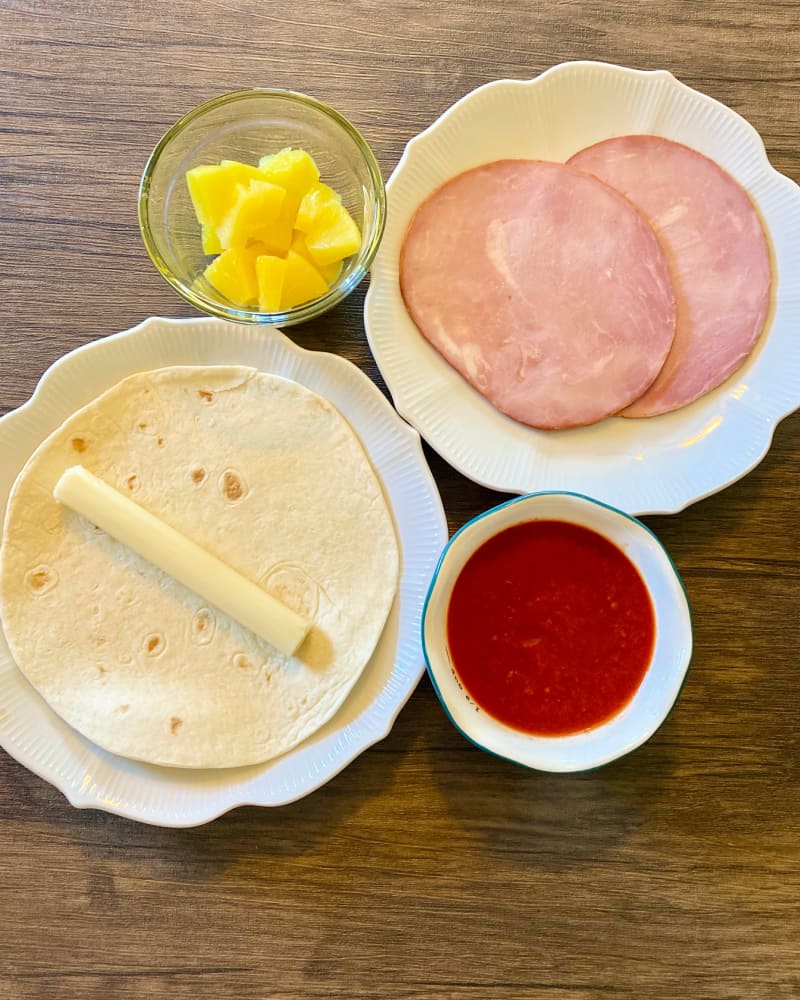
(659, 465)
(92, 778)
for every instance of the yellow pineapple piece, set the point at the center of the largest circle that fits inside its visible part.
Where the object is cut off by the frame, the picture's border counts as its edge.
(314, 201)
(330, 272)
(241, 173)
(335, 235)
(281, 234)
(302, 282)
(278, 236)
(233, 274)
(292, 169)
(271, 274)
(213, 191)
(211, 243)
(254, 211)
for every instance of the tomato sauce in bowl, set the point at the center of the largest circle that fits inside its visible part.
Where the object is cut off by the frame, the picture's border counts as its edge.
(556, 631)
(550, 628)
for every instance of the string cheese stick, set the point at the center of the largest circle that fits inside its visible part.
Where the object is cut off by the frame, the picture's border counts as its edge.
(181, 558)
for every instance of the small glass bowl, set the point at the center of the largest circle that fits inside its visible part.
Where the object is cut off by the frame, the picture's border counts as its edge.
(245, 126)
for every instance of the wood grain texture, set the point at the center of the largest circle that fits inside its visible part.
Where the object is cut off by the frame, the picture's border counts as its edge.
(426, 869)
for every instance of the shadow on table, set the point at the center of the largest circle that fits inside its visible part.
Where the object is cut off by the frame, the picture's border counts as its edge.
(253, 839)
(553, 821)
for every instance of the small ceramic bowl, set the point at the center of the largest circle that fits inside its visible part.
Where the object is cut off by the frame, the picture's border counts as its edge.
(659, 689)
(245, 126)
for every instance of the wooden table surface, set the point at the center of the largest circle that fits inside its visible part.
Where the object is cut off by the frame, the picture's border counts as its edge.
(427, 868)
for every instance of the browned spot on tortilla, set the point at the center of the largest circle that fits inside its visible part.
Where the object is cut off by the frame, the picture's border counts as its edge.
(79, 444)
(98, 640)
(203, 626)
(198, 476)
(175, 724)
(132, 482)
(160, 442)
(142, 426)
(154, 644)
(205, 395)
(40, 579)
(232, 485)
(241, 661)
(292, 586)
(101, 671)
(123, 708)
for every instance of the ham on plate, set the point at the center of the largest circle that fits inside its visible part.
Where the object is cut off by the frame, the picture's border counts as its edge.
(544, 287)
(717, 253)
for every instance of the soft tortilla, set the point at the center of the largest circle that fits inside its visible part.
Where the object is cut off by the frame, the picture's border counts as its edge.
(262, 472)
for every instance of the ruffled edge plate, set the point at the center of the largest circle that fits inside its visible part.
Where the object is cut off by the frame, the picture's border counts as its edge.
(656, 466)
(92, 778)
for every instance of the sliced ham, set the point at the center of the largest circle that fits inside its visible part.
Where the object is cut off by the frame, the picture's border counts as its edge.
(546, 289)
(717, 253)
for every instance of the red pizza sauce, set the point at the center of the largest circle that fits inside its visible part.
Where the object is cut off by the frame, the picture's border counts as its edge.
(550, 628)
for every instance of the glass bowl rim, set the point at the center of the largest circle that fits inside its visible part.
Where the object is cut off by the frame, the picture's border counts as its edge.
(307, 310)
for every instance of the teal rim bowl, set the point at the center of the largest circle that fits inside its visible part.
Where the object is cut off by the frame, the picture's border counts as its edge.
(245, 126)
(656, 695)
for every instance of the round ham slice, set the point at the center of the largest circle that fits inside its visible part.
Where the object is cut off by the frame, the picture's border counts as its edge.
(717, 253)
(546, 289)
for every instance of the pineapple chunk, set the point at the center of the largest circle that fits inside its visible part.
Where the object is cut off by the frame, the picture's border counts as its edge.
(254, 212)
(271, 273)
(314, 201)
(292, 169)
(211, 243)
(242, 173)
(302, 282)
(213, 191)
(334, 236)
(280, 233)
(330, 272)
(278, 237)
(233, 274)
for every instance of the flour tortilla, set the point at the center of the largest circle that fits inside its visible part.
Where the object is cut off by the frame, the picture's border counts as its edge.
(263, 473)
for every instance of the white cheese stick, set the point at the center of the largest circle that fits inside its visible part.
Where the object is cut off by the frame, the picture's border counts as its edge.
(181, 558)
